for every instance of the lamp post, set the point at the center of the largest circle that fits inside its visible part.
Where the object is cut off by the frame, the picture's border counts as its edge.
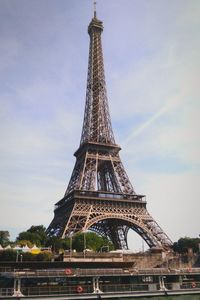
(84, 242)
(70, 245)
(17, 256)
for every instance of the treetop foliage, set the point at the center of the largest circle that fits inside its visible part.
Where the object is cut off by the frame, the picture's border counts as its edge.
(183, 244)
(4, 238)
(36, 235)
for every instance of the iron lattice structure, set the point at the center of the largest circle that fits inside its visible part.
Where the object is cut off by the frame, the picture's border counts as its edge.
(100, 196)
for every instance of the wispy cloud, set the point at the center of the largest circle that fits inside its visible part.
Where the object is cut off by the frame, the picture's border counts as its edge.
(169, 106)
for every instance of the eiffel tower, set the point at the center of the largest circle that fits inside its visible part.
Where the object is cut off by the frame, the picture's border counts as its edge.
(99, 196)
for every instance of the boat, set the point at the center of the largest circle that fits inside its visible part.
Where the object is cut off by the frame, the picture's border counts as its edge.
(97, 282)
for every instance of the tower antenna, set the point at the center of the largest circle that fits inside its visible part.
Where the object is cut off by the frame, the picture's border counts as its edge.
(95, 5)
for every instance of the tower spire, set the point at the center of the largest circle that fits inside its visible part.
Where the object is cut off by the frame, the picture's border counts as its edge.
(97, 123)
(95, 12)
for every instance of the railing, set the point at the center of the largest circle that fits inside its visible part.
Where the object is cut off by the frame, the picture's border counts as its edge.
(39, 273)
(106, 288)
(102, 272)
(94, 272)
(6, 292)
(56, 290)
(190, 285)
(163, 271)
(5, 269)
(66, 273)
(109, 195)
(88, 254)
(99, 194)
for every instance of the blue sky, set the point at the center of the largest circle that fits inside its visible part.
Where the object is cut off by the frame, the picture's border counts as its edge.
(152, 66)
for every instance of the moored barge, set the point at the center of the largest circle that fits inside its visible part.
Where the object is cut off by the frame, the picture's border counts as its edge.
(97, 283)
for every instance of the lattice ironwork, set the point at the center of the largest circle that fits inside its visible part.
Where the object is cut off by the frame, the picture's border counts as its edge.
(100, 196)
(97, 124)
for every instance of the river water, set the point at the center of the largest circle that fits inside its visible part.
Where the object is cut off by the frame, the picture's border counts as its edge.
(179, 297)
(185, 297)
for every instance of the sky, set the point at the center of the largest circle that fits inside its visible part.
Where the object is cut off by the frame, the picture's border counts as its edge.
(152, 67)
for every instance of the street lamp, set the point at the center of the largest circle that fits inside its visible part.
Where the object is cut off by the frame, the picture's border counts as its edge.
(17, 256)
(84, 242)
(70, 245)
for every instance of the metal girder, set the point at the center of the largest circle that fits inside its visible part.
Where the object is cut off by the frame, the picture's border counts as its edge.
(111, 217)
(97, 123)
(93, 172)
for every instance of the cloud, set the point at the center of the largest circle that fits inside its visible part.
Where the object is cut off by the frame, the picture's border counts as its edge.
(169, 106)
(172, 132)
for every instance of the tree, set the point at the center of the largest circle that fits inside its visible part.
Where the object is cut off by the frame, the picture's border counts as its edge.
(12, 255)
(55, 243)
(183, 244)
(44, 256)
(40, 231)
(4, 238)
(35, 235)
(28, 236)
(90, 240)
(23, 243)
(8, 255)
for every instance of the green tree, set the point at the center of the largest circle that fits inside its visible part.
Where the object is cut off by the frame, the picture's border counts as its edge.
(183, 244)
(12, 255)
(90, 240)
(23, 243)
(44, 256)
(4, 238)
(8, 255)
(28, 236)
(54, 243)
(40, 230)
(66, 244)
(27, 256)
(35, 235)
